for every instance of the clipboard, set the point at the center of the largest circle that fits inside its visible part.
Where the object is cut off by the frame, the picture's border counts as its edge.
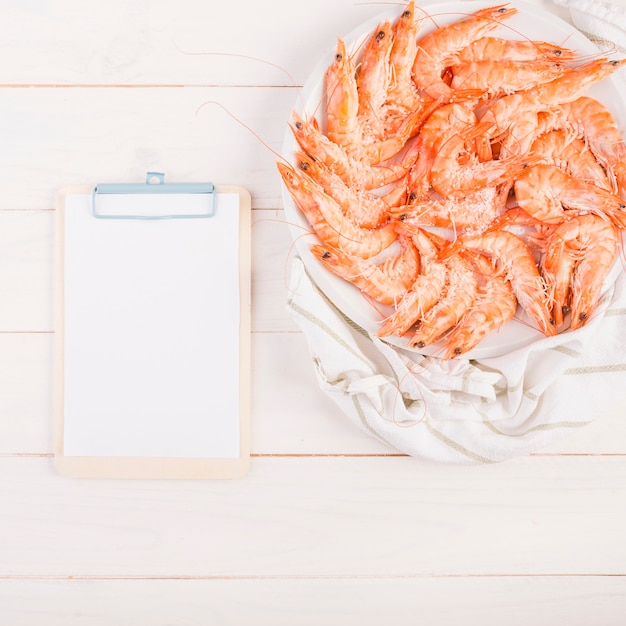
(152, 345)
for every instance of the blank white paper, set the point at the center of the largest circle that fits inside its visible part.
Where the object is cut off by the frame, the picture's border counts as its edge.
(151, 333)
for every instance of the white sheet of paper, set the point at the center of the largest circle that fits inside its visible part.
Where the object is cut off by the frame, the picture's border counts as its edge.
(151, 333)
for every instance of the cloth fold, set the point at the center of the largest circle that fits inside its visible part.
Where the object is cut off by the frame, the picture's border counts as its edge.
(464, 411)
(602, 21)
(473, 411)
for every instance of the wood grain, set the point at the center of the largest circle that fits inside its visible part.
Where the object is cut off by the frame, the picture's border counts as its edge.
(67, 136)
(335, 601)
(330, 526)
(315, 517)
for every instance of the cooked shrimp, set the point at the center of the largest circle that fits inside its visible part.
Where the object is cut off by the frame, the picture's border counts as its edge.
(502, 77)
(572, 83)
(342, 100)
(592, 243)
(324, 215)
(385, 282)
(518, 265)
(494, 305)
(557, 267)
(374, 75)
(445, 122)
(596, 126)
(365, 208)
(378, 151)
(473, 211)
(352, 171)
(513, 119)
(571, 154)
(425, 290)
(316, 144)
(457, 296)
(547, 193)
(497, 49)
(403, 97)
(357, 115)
(437, 49)
(421, 296)
(402, 94)
(512, 123)
(559, 277)
(587, 283)
(457, 171)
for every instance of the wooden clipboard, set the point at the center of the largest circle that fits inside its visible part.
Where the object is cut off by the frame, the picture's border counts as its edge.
(152, 347)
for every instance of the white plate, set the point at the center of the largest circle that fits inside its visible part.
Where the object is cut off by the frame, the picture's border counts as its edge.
(531, 22)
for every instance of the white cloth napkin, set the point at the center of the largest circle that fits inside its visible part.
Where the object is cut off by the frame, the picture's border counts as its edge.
(466, 411)
(463, 411)
(602, 21)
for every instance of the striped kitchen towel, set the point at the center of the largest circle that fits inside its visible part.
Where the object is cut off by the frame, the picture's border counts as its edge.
(602, 21)
(465, 411)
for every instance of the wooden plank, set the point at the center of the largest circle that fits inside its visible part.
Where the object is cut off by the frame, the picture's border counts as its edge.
(57, 137)
(130, 42)
(272, 252)
(26, 396)
(473, 601)
(312, 517)
(26, 270)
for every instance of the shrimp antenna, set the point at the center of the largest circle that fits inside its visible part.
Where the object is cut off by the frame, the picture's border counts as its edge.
(292, 81)
(241, 56)
(243, 124)
(411, 373)
(621, 249)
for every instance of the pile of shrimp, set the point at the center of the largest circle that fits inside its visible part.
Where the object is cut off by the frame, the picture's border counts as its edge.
(460, 178)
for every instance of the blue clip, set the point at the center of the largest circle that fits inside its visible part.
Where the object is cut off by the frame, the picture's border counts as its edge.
(155, 184)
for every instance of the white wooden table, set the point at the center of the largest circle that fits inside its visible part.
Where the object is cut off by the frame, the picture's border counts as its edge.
(329, 527)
